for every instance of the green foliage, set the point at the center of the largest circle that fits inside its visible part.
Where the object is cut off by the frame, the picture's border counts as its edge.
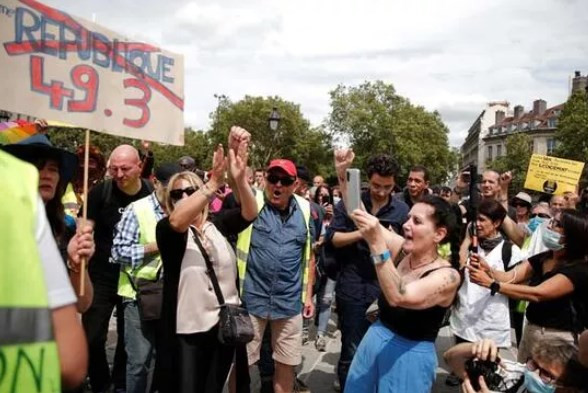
(572, 129)
(294, 139)
(516, 160)
(376, 120)
(196, 144)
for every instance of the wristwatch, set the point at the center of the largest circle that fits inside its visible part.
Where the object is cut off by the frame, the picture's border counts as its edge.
(494, 288)
(379, 259)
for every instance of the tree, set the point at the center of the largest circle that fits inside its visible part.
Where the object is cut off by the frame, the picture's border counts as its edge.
(294, 139)
(572, 129)
(377, 120)
(516, 159)
(196, 144)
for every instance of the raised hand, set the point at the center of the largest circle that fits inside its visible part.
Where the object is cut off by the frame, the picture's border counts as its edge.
(238, 135)
(343, 160)
(219, 165)
(238, 160)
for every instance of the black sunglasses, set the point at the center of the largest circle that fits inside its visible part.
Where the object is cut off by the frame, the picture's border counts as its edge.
(176, 195)
(285, 180)
(540, 215)
(520, 204)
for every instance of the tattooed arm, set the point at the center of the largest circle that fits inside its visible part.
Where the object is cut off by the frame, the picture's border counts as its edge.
(438, 288)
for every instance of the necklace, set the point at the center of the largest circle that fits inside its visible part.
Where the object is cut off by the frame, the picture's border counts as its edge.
(410, 262)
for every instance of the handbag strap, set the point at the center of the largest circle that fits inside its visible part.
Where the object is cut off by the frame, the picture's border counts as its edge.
(209, 269)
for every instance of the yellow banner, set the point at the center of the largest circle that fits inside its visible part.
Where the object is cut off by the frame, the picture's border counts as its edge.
(553, 175)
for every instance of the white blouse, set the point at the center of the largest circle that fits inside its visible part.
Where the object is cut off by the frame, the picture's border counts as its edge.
(198, 307)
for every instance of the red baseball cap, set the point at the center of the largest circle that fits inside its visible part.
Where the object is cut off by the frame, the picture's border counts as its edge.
(286, 165)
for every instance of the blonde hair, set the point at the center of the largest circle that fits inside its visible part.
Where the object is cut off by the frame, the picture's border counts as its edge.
(194, 181)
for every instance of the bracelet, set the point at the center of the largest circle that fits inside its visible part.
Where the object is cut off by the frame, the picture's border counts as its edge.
(515, 276)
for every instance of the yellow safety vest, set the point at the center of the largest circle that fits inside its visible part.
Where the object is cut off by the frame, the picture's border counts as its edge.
(70, 202)
(29, 360)
(143, 209)
(244, 241)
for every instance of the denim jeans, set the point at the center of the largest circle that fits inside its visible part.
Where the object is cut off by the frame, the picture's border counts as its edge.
(324, 300)
(353, 325)
(140, 346)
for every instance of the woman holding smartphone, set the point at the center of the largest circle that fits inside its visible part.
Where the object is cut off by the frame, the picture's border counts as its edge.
(397, 354)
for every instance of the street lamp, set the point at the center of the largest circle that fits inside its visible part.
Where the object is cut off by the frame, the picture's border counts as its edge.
(274, 119)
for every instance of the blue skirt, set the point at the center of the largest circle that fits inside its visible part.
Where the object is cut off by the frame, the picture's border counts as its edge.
(388, 362)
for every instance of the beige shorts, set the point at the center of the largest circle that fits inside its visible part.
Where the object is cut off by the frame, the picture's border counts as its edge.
(286, 339)
(533, 333)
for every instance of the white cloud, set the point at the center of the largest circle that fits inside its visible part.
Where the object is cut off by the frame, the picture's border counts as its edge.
(452, 56)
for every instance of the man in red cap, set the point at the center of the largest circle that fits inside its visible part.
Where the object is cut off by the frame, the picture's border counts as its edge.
(276, 267)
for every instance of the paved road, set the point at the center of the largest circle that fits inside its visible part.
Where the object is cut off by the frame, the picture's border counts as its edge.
(318, 368)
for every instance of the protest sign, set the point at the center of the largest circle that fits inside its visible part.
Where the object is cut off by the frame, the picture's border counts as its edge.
(553, 175)
(59, 67)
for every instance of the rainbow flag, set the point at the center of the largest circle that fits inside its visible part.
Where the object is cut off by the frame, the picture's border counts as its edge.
(15, 131)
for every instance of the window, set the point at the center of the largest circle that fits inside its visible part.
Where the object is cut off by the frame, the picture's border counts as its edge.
(550, 146)
(552, 122)
(498, 150)
(532, 146)
(490, 153)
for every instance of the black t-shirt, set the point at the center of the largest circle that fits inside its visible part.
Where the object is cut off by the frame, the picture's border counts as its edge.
(105, 206)
(557, 313)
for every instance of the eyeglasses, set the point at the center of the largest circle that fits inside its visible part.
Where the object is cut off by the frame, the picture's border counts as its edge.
(545, 375)
(540, 215)
(177, 194)
(284, 180)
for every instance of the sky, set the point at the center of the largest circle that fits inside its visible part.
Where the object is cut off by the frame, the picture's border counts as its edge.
(452, 56)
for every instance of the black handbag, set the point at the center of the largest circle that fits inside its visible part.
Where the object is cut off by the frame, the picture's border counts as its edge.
(149, 296)
(234, 325)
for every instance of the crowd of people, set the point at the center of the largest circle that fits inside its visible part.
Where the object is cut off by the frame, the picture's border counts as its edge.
(184, 258)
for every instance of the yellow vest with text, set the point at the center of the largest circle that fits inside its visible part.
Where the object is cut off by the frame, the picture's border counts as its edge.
(244, 241)
(143, 209)
(29, 360)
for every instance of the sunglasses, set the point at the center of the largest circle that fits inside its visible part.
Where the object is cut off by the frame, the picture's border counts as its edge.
(540, 215)
(545, 375)
(284, 180)
(177, 194)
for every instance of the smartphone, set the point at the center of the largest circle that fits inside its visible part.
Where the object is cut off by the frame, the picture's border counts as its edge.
(353, 200)
(325, 199)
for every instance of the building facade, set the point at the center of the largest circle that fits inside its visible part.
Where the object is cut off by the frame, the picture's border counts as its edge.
(486, 139)
(472, 150)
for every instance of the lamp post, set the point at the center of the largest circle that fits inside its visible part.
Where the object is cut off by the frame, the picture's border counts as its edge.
(274, 119)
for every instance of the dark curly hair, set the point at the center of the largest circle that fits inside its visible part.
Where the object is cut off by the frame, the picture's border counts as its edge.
(383, 165)
(445, 216)
(575, 232)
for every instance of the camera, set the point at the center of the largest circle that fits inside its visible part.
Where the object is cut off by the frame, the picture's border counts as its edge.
(485, 368)
(325, 199)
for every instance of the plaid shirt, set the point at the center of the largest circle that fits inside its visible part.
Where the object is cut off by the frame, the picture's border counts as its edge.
(126, 248)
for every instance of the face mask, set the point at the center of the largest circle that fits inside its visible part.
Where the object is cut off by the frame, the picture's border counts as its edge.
(534, 223)
(336, 200)
(534, 384)
(551, 240)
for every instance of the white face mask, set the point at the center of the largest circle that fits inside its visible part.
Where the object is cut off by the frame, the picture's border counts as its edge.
(336, 200)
